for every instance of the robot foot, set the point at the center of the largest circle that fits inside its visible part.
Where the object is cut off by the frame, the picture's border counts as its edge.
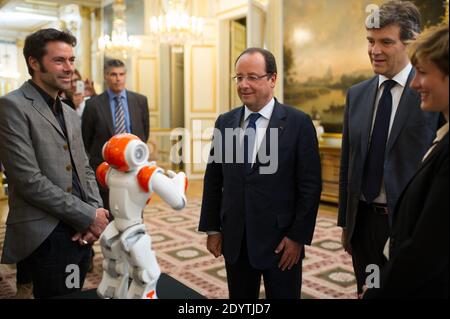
(105, 291)
(146, 291)
(113, 287)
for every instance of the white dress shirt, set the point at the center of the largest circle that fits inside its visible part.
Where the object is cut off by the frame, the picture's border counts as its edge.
(261, 125)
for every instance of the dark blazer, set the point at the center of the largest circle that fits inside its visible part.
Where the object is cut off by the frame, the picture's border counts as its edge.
(97, 124)
(281, 204)
(36, 154)
(411, 136)
(418, 263)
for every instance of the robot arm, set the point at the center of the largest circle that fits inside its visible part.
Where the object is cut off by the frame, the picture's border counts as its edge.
(171, 189)
(102, 174)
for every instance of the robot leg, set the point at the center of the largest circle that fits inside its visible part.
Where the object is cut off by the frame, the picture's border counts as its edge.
(144, 268)
(115, 276)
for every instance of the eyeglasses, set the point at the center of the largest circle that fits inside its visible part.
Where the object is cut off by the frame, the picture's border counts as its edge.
(250, 78)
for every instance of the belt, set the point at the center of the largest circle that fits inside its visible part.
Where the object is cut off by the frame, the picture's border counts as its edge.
(375, 207)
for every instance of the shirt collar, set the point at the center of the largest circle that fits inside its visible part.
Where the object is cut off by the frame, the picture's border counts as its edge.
(265, 112)
(441, 132)
(111, 94)
(47, 98)
(401, 77)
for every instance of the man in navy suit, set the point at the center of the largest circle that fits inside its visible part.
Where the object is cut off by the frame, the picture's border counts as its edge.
(260, 211)
(384, 138)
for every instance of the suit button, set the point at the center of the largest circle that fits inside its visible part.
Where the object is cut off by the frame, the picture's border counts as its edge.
(68, 167)
(66, 147)
(69, 189)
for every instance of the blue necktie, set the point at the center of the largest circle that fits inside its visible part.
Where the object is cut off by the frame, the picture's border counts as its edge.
(120, 116)
(373, 174)
(249, 141)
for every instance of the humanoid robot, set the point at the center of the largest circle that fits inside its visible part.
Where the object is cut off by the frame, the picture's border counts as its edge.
(126, 247)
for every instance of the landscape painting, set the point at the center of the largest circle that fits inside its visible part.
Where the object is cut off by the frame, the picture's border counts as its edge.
(325, 52)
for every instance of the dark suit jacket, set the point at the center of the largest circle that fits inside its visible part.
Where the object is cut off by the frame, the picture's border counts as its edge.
(418, 264)
(267, 206)
(411, 136)
(97, 124)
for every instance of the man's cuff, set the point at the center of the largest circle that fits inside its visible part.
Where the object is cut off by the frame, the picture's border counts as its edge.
(212, 232)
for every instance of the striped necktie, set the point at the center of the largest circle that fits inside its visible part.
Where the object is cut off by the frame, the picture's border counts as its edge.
(120, 116)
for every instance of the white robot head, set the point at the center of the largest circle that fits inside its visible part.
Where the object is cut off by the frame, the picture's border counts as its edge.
(125, 152)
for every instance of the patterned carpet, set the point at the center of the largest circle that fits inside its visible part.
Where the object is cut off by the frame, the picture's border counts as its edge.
(181, 252)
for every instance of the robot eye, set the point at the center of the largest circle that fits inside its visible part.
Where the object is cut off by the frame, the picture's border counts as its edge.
(139, 154)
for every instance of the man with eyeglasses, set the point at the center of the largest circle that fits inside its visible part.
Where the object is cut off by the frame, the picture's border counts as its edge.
(261, 221)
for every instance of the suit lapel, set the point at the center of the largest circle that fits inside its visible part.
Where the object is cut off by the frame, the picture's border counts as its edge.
(41, 106)
(133, 111)
(105, 110)
(238, 147)
(366, 121)
(69, 124)
(236, 119)
(70, 138)
(409, 97)
(434, 152)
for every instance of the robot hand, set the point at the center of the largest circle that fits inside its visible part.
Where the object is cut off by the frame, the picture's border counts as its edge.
(170, 188)
(180, 181)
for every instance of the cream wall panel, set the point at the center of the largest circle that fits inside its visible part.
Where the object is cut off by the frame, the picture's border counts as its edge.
(203, 79)
(199, 168)
(200, 103)
(154, 121)
(85, 42)
(147, 80)
(274, 38)
(200, 152)
(224, 75)
(238, 44)
(256, 25)
(21, 63)
(223, 7)
(202, 128)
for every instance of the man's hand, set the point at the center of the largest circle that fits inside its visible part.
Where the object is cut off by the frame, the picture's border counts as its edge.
(100, 222)
(95, 229)
(364, 290)
(344, 241)
(214, 244)
(291, 253)
(84, 239)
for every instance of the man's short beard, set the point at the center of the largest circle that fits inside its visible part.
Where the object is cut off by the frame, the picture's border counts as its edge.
(42, 68)
(54, 84)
